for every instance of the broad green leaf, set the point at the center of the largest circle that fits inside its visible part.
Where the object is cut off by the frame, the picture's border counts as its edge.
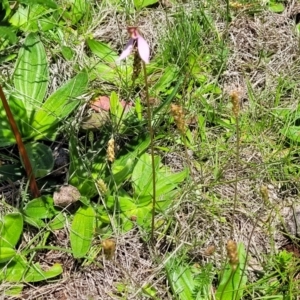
(123, 165)
(84, 169)
(40, 208)
(102, 50)
(142, 175)
(47, 3)
(292, 132)
(169, 75)
(36, 273)
(7, 33)
(276, 7)
(126, 204)
(115, 107)
(41, 158)
(19, 113)
(34, 222)
(82, 231)
(20, 17)
(6, 254)
(180, 278)
(167, 181)
(67, 52)
(143, 3)
(233, 282)
(78, 10)
(11, 228)
(10, 172)
(19, 269)
(105, 73)
(31, 74)
(58, 221)
(59, 105)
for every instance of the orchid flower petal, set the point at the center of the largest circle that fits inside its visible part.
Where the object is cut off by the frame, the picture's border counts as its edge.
(143, 48)
(127, 50)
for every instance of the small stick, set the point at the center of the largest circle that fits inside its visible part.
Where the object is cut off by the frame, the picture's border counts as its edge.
(22, 150)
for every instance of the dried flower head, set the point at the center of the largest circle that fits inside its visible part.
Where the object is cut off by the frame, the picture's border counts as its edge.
(232, 254)
(110, 152)
(109, 248)
(178, 115)
(101, 186)
(136, 41)
(235, 100)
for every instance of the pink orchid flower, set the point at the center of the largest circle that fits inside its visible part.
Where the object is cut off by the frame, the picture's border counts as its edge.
(136, 40)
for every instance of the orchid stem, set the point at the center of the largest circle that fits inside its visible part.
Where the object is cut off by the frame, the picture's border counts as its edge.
(22, 150)
(149, 113)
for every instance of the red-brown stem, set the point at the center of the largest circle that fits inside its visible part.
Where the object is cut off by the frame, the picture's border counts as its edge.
(23, 153)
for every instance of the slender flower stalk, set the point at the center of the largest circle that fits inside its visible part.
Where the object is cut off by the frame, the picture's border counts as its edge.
(139, 46)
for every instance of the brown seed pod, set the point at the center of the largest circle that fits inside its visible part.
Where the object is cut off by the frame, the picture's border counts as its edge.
(109, 248)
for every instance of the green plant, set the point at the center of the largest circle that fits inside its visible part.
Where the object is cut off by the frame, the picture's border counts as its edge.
(16, 269)
(36, 117)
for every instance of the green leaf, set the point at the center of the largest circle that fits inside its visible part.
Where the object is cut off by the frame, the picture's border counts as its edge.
(84, 169)
(47, 3)
(170, 74)
(58, 106)
(58, 221)
(292, 132)
(36, 273)
(41, 158)
(180, 278)
(142, 175)
(82, 231)
(40, 208)
(233, 282)
(115, 107)
(19, 112)
(6, 254)
(102, 50)
(143, 3)
(123, 165)
(7, 33)
(19, 269)
(11, 229)
(77, 10)
(67, 52)
(276, 7)
(10, 172)
(31, 74)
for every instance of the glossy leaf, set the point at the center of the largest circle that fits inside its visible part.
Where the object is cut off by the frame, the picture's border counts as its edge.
(40, 208)
(142, 175)
(102, 50)
(20, 269)
(82, 231)
(19, 112)
(36, 273)
(41, 158)
(6, 254)
(11, 228)
(143, 3)
(58, 106)
(31, 74)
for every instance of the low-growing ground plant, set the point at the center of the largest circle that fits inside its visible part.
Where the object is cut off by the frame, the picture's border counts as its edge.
(165, 163)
